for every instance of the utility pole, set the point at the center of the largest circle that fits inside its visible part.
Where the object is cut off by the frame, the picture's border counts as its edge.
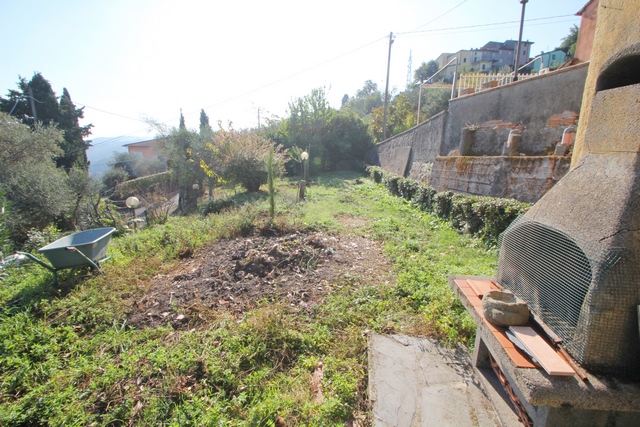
(409, 69)
(515, 71)
(386, 91)
(33, 106)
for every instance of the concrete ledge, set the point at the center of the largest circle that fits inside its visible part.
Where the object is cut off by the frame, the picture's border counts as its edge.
(538, 389)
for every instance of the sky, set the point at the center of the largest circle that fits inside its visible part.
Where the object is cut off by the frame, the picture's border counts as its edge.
(243, 60)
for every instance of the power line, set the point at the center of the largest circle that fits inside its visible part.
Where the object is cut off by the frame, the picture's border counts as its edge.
(484, 29)
(233, 98)
(484, 25)
(414, 32)
(108, 112)
(439, 16)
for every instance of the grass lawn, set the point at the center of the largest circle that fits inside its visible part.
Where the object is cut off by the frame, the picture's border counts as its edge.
(73, 356)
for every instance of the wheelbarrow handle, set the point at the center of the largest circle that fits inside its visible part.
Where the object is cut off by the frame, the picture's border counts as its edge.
(34, 259)
(89, 260)
(43, 264)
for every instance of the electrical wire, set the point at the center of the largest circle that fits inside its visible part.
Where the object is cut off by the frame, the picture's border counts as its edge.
(412, 33)
(440, 16)
(485, 25)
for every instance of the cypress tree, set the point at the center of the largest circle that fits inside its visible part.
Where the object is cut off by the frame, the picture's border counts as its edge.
(182, 125)
(74, 145)
(204, 121)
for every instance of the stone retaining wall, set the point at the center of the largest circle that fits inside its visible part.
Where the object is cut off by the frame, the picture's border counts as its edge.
(524, 178)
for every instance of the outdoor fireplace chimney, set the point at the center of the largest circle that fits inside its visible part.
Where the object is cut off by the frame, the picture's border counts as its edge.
(575, 256)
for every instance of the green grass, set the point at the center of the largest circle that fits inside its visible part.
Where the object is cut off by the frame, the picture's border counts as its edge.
(68, 356)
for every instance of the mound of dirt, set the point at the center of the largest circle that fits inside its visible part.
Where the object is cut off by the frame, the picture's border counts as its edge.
(234, 275)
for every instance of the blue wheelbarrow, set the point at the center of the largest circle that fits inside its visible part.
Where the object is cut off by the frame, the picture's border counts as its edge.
(83, 249)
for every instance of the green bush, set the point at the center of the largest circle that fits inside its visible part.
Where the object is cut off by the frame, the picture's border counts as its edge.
(391, 182)
(484, 217)
(376, 173)
(442, 204)
(214, 206)
(407, 188)
(423, 197)
(497, 214)
(464, 215)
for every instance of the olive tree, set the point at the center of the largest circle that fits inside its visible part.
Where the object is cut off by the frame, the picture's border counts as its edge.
(38, 191)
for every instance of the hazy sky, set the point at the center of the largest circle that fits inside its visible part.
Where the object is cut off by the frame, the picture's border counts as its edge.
(129, 59)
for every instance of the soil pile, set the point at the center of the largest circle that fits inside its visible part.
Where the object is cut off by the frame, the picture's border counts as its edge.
(234, 275)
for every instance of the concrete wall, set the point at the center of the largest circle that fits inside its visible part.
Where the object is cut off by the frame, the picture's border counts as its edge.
(411, 153)
(616, 29)
(542, 106)
(522, 178)
(534, 102)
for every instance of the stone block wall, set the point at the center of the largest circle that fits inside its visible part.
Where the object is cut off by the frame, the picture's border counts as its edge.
(524, 178)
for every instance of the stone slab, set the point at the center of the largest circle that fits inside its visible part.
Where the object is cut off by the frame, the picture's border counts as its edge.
(417, 382)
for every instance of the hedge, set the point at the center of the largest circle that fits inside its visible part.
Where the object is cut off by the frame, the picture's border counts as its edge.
(479, 216)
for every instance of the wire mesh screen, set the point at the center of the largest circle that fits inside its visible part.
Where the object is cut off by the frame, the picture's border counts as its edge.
(553, 273)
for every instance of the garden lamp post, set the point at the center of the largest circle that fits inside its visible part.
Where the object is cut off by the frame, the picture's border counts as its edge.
(518, 50)
(195, 188)
(132, 203)
(304, 156)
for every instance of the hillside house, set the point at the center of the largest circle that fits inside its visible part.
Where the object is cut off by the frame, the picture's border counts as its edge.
(146, 149)
(490, 57)
(588, 15)
(551, 60)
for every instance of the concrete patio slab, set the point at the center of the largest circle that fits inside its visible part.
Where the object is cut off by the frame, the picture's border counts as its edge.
(417, 382)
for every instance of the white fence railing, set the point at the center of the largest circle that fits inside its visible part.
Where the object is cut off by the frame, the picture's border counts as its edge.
(476, 82)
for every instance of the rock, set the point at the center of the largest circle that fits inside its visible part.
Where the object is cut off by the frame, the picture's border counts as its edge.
(504, 309)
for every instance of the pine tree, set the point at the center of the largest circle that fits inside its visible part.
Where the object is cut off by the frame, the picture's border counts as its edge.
(74, 145)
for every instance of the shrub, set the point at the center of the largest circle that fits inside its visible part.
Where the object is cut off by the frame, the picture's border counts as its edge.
(464, 215)
(214, 206)
(376, 173)
(113, 177)
(391, 182)
(423, 197)
(484, 217)
(497, 215)
(39, 238)
(407, 188)
(144, 185)
(243, 157)
(442, 203)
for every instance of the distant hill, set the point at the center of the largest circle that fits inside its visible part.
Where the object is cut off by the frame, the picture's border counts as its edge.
(102, 149)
